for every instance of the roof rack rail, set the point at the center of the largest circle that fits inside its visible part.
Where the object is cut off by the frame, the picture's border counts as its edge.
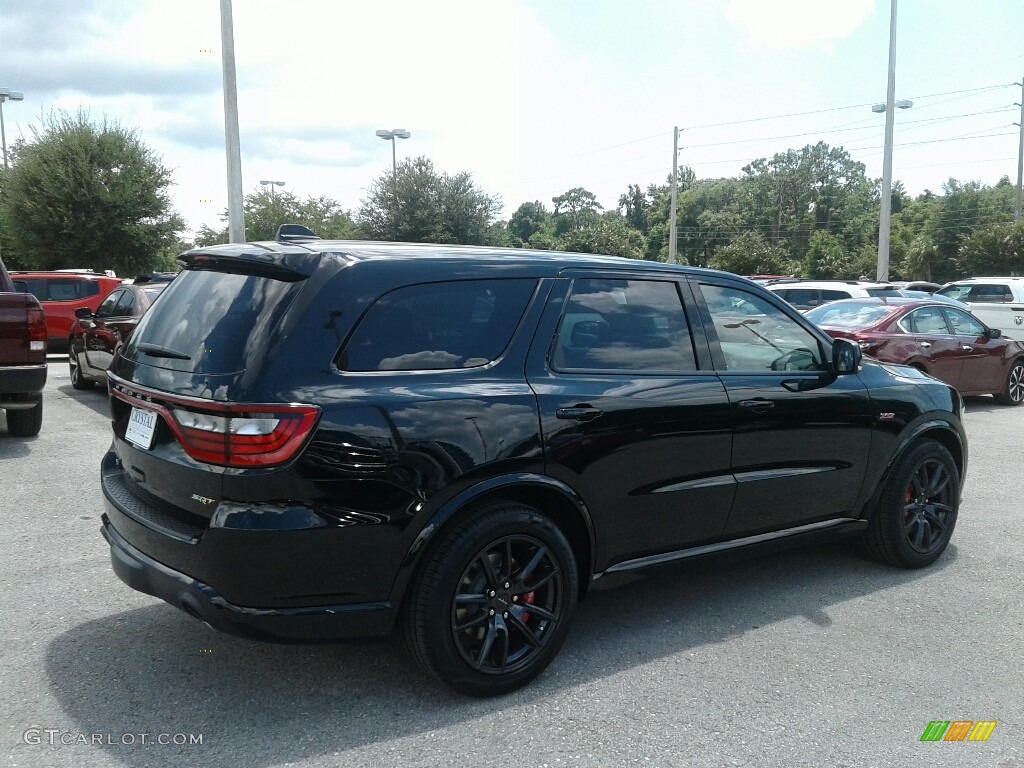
(294, 233)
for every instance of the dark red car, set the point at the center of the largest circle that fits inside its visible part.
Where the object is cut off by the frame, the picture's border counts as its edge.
(942, 340)
(95, 338)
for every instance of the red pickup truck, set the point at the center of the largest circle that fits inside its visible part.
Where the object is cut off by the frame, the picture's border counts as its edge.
(22, 358)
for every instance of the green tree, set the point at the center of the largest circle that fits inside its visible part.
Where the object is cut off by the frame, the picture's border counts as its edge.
(608, 234)
(85, 194)
(994, 250)
(751, 254)
(528, 220)
(574, 208)
(417, 204)
(266, 211)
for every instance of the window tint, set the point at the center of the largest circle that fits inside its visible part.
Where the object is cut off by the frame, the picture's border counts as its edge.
(125, 304)
(963, 324)
(88, 288)
(803, 298)
(238, 314)
(106, 308)
(35, 286)
(432, 326)
(828, 295)
(635, 325)
(926, 320)
(876, 292)
(63, 290)
(768, 341)
(991, 294)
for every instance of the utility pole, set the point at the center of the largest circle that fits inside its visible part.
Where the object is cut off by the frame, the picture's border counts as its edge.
(884, 220)
(675, 197)
(232, 145)
(1020, 154)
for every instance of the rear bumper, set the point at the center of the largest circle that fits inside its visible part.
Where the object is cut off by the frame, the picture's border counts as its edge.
(325, 622)
(21, 386)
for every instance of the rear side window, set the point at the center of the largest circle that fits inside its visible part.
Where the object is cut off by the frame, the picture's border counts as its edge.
(433, 326)
(623, 325)
(64, 290)
(982, 293)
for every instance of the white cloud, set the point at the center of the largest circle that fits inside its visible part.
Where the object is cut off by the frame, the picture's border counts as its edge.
(782, 24)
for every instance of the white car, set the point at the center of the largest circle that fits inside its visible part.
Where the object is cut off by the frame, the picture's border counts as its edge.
(806, 294)
(996, 301)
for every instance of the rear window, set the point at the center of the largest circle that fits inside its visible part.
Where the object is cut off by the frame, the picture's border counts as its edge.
(214, 318)
(849, 314)
(432, 326)
(876, 292)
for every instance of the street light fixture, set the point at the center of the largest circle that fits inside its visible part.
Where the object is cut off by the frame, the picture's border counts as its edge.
(271, 184)
(6, 94)
(394, 133)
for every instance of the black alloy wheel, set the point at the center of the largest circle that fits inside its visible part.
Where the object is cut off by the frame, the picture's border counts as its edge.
(492, 604)
(507, 604)
(917, 509)
(1013, 393)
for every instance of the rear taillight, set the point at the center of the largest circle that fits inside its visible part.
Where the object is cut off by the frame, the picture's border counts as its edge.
(36, 330)
(259, 438)
(227, 434)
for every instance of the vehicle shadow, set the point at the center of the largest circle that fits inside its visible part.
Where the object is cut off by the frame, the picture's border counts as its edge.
(11, 446)
(154, 670)
(95, 398)
(975, 404)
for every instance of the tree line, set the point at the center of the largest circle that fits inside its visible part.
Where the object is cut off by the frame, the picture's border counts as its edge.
(86, 194)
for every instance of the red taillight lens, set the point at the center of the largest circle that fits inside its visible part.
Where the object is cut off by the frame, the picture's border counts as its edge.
(36, 330)
(263, 438)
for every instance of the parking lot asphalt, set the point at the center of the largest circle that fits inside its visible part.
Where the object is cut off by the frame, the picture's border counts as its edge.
(812, 657)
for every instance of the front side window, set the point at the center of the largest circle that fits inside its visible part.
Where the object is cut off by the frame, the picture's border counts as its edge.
(620, 325)
(125, 305)
(963, 324)
(434, 326)
(768, 341)
(106, 308)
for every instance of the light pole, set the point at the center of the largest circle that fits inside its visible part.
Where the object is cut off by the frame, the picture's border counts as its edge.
(232, 145)
(394, 133)
(885, 217)
(5, 95)
(271, 185)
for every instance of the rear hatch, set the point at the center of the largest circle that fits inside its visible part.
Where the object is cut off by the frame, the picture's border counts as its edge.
(182, 389)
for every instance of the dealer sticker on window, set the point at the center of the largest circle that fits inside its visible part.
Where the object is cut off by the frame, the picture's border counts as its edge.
(141, 428)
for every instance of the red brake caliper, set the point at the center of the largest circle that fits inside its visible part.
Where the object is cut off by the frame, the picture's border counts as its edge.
(528, 600)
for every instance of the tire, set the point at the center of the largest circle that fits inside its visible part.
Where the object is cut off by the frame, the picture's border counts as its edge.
(917, 509)
(25, 423)
(78, 381)
(492, 603)
(1013, 391)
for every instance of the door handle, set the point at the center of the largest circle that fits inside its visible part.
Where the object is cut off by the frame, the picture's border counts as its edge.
(579, 413)
(966, 347)
(926, 344)
(757, 406)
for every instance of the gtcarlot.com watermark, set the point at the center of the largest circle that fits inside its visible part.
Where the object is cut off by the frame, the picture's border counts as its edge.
(55, 737)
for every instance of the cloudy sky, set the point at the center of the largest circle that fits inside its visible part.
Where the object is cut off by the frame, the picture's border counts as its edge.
(533, 97)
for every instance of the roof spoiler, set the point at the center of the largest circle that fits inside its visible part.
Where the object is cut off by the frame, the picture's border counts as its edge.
(294, 233)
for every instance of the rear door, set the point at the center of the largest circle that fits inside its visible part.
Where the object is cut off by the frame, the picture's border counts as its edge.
(633, 417)
(802, 436)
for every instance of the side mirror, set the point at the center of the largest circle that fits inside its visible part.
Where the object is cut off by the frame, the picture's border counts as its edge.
(993, 333)
(846, 356)
(83, 313)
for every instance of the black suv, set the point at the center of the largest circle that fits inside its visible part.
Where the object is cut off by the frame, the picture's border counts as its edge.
(320, 439)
